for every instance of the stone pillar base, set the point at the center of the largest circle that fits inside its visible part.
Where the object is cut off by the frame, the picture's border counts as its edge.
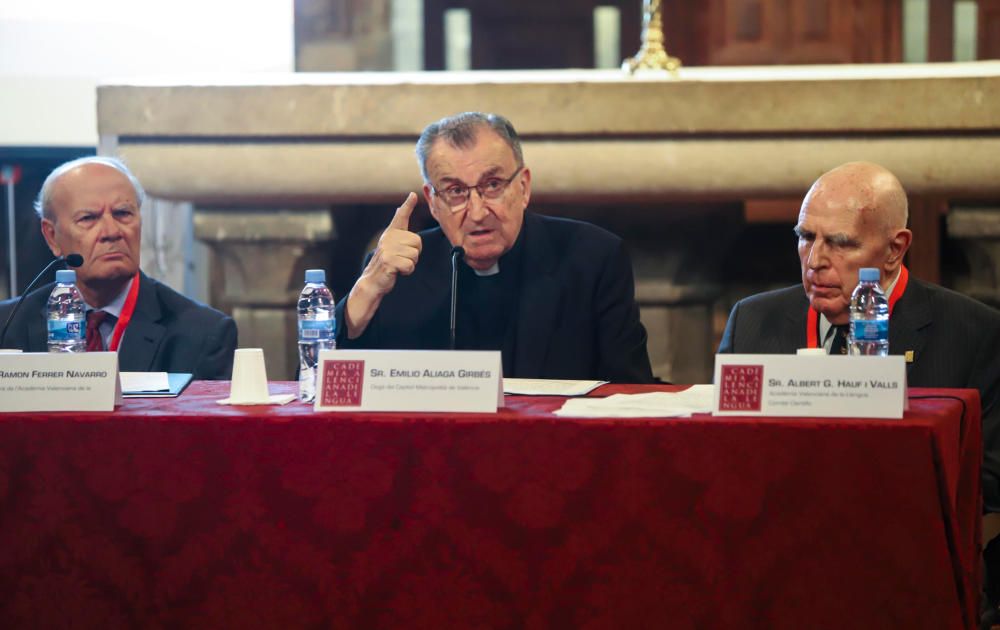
(260, 260)
(274, 330)
(677, 252)
(678, 321)
(978, 229)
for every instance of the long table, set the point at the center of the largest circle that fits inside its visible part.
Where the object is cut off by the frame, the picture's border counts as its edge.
(183, 513)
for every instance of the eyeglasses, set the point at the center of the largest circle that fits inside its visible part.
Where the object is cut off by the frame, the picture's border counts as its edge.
(457, 195)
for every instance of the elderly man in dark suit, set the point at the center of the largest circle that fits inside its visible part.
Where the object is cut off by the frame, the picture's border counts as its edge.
(90, 207)
(555, 296)
(855, 216)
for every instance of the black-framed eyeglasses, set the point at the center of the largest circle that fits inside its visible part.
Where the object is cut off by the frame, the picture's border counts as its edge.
(457, 195)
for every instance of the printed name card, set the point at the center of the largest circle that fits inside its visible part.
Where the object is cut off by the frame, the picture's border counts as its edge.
(821, 386)
(409, 380)
(42, 381)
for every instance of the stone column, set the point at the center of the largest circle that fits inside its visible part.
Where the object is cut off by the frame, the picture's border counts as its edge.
(978, 229)
(260, 257)
(678, 320)
(677, 251)
(167, 251)
(343, 35)
(679, 277)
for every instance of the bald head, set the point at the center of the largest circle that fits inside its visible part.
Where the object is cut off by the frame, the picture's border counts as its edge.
(44, 204)
(864, 188)
(91, 207)
(854, 216)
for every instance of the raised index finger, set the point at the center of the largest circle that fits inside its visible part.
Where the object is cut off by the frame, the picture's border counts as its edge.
(401, 220)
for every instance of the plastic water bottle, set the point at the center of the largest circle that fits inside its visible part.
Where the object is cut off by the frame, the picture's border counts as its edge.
(67, 315)
(317, 329)
(869, 316)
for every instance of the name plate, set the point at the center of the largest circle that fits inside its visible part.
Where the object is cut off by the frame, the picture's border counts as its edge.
(821, 386)
(42, 381)
(409, 380)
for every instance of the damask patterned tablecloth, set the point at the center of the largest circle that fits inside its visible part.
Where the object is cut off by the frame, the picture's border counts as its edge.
(184, 514)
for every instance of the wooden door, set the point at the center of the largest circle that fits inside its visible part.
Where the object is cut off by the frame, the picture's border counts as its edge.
(764, 32)
(988, 36)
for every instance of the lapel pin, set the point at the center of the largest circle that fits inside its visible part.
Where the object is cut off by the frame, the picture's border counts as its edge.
(909, 356)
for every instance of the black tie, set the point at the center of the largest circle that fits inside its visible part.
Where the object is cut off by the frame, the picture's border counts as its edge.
(839, 345)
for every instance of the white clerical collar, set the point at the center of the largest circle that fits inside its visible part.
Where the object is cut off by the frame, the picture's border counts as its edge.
(116, 305)
(825, 325)
(492, 271)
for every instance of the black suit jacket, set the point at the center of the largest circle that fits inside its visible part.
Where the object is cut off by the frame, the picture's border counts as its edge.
(955, 342)
(168, 332)
(576, 317)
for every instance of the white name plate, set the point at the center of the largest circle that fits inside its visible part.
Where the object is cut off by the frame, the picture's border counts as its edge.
(42, 381)
(409, 380)
(822, 386)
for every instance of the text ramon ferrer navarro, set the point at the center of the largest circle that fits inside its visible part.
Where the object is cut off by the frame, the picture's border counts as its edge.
(53, 374)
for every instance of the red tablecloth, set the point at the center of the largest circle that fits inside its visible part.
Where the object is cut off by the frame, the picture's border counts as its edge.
(181, 513)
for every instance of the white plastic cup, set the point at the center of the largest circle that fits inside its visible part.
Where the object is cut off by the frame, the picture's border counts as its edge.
(249, 384)
(811, 352)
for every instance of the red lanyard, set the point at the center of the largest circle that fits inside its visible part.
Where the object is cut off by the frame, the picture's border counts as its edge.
(126, 314)
(812, 320)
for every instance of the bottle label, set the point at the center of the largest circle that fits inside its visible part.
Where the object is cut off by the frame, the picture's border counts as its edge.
(317, 329)
(870, 330)
(66, 330)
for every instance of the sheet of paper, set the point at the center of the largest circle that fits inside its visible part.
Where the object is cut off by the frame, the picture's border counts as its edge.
(272, 399)
(177, 382)
(695, 399)
(144, 382)
(549, 387)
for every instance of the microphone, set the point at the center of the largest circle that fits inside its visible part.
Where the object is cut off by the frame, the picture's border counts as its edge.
(71, 260)
(456, 253)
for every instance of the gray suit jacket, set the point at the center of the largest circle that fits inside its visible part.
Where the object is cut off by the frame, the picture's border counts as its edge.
(955, 342)
(168, 332)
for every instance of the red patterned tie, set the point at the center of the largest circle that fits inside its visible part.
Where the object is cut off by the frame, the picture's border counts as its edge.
(95, 343)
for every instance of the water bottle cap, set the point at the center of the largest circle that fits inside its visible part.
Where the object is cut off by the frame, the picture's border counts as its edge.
(868, 274)
(66, 276)
(316, 275)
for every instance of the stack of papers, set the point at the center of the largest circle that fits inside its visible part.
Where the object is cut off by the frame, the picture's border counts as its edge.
(153, 384)
(549, 387)
(695, 399)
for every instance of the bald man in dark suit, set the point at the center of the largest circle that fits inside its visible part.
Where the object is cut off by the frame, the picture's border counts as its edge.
(852, 217)
(90, 206)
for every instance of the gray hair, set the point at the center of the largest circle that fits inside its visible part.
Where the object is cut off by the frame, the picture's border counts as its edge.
(460, 132)
(43, 203)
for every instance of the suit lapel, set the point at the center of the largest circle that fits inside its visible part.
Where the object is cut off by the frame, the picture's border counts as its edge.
(794, 332)
(541, 299)
(910, 319)
(141, 343)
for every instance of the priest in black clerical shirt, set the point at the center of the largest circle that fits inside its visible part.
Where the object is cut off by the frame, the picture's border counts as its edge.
(555, 296)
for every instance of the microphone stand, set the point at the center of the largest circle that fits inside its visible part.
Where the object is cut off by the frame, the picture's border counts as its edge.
(73, 260)
(456, 253)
